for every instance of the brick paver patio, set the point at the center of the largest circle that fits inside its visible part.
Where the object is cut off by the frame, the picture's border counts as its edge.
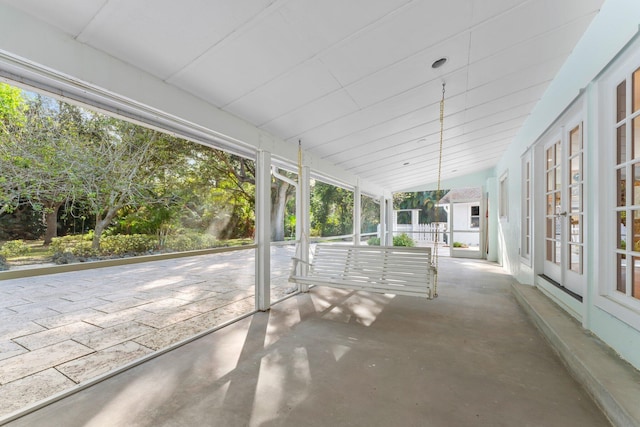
(59, 330)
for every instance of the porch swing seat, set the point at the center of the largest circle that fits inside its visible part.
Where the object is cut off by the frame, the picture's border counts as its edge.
(379, 269)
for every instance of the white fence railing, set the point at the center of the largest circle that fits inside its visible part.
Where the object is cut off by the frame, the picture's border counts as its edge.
(426, 233)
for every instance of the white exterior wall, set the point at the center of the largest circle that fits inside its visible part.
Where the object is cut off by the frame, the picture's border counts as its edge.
(618, 326)
(461, 223)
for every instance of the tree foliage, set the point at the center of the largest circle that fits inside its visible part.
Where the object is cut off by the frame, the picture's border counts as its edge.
(331, 210)
(426, 201)
(68, 169)
(62, 161)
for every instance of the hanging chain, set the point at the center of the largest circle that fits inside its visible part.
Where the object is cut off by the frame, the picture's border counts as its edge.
(439, 191)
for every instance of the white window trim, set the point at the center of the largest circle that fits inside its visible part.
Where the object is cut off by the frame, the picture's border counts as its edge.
(471, 216)
(503, 197)
(527, 184)
(605, 295)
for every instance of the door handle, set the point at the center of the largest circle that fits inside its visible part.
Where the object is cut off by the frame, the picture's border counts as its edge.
(561, 214)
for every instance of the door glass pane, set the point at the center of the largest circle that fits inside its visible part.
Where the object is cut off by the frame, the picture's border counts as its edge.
(622, 144)
(576, 198)
(558, 177)
(550, 183)
(550, 228)
(550, 157)
(575, 258)
(635, 291)
(636, 184)
(621, 284)
(550, 244)
(635, 137)
(574, 173)
(622, 229)
(636, 90)
(621, 186)
(636, 231)
(550, 204)
(558, 253)
(621, 101)
(575, 142)
(558, 207)
(576, 229)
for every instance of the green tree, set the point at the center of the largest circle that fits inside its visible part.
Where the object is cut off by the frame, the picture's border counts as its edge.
(35, 157)
(331, 209)
(13, 106)
(426, 201)
(114, 171)
(370, 214)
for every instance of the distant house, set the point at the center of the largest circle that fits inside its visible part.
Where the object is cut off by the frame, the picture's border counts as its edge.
(464, 217)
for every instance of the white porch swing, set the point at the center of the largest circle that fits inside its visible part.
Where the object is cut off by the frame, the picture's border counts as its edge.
(380, 269)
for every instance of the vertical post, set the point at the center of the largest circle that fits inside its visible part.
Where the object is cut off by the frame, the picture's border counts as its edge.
(415, 227)
(303, 214)
(383, 220)
(357, 215)
(263, 231)
(391, 216)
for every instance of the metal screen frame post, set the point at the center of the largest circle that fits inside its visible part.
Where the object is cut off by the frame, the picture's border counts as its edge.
(357, 215)
(304, 182)
(263, 231)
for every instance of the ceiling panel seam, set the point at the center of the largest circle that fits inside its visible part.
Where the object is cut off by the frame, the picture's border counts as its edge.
(237, 31)
(318, 55)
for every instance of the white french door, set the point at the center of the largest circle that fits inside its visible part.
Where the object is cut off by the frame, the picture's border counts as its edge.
(564, 209)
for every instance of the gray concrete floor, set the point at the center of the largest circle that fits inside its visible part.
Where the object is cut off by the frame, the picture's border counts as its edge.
(339, 358)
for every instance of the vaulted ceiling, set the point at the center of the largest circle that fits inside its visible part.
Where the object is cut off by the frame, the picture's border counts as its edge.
(351, 79)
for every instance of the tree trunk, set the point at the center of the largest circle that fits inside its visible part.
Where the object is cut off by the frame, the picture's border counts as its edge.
(51, 222)
(101, 224)
(278, 206)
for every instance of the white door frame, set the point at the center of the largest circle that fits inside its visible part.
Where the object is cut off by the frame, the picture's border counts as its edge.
(567, 217)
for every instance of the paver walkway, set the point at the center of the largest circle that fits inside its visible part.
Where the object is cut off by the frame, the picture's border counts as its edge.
(62, 329)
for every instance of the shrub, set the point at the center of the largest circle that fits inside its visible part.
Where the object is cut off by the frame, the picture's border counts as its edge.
(14, 248)
(460, 245)
(75, 245)
(403, 240)
(121, 244)
(373, 241)
(190, 241)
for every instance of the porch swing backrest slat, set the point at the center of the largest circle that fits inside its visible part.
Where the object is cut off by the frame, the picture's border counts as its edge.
(380, 269)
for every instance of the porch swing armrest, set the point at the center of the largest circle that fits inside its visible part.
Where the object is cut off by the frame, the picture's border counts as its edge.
(297, 260)
(292, 274)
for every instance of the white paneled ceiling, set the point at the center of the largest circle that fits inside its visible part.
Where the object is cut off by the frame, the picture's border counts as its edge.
(352, 80)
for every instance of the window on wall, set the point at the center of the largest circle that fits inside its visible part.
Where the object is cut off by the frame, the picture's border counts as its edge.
(526, 208)
(474, 217)
(504, 197)
(627, 176)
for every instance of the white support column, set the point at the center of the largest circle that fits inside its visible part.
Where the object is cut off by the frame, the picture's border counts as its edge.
(263, 231)
(383, 220)
(390, 221)
(357, 215)
(304, 183)
(415, 224)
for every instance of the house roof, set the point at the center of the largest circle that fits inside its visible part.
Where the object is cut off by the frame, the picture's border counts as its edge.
(462, 195)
